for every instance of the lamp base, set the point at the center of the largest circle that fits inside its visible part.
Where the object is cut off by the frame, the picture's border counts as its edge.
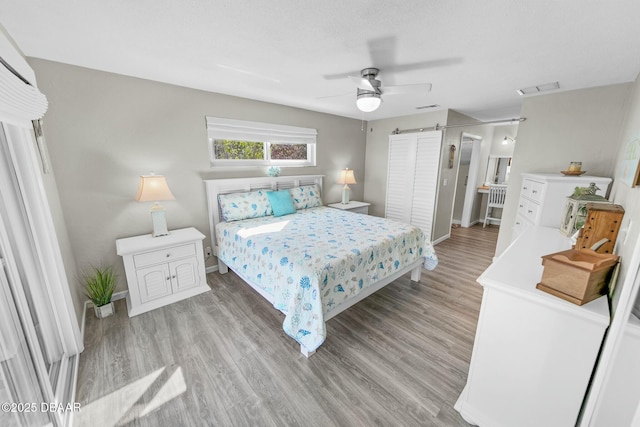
(345, 194)
(159, 223)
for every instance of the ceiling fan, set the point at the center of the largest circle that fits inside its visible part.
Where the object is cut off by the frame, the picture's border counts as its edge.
(370, 89)
(382, 53)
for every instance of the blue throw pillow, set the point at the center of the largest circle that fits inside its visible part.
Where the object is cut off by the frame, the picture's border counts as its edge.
(281, 202)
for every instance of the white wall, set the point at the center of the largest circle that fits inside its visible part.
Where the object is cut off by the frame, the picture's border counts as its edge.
(624, 195)
(580, 125)
(497, 146)
(615, 397)
(104, 130)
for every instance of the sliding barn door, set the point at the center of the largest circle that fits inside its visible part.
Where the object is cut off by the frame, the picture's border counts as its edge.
(412, 178)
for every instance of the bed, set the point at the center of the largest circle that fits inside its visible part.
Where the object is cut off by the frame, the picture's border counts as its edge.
(311, 264)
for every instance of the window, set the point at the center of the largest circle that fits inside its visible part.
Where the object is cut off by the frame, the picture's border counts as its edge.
(241, 143)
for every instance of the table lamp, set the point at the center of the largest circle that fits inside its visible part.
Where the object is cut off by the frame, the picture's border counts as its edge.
(346, 178)
(153, 188)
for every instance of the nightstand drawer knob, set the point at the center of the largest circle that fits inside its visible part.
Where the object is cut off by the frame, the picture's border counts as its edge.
(168, 255)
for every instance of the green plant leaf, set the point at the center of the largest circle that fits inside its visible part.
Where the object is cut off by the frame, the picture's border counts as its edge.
(100, 283)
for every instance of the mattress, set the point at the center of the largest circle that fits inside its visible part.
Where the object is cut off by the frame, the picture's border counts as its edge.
(309, 262)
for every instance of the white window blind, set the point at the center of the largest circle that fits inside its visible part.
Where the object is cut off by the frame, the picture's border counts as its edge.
(19, 101)
(241, 130)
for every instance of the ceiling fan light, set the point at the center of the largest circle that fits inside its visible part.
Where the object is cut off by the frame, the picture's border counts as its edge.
(368, 102)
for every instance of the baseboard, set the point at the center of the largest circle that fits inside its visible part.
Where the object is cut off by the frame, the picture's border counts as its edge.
(455, 221)
(119, 295)
(211, 269)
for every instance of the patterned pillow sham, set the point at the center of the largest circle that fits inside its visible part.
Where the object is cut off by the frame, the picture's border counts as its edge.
(306, 196)
(237, 206)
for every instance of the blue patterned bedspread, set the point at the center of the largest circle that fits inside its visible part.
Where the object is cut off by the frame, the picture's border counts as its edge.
(315, 259)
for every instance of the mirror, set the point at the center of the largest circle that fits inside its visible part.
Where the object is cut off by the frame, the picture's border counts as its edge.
(498, 169)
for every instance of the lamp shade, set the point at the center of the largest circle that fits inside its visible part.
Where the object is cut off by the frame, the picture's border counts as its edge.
(153, 188)
(368, 102)
(347, 177)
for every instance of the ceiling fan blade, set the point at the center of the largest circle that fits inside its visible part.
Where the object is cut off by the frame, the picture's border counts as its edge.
(339, 76)
(400, 89)
(399, 68)
(335, 96)
(382, 52)
(443, 62)
(361, 83)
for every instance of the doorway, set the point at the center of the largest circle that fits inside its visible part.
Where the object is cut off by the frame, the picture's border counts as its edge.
(466, 181)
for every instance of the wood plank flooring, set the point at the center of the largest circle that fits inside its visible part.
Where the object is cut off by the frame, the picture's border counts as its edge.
(398, 358)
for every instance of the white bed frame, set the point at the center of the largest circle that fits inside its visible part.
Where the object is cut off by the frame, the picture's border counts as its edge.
(238, 185)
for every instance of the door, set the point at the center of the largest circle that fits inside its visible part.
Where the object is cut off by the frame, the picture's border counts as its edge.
(412, 178)
(401, 167)
(19, 384)
(153, 282)
(471, 197)
(464, 164)
(184, 274)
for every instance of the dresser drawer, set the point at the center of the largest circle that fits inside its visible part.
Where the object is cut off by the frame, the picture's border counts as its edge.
(519, 226)
(537, 190)
(522, 206)
(164, 255)
(532, 189)
(531, 213)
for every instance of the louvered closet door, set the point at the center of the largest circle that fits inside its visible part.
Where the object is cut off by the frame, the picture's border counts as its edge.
(412, 178)
(425, 181)
(400, 171)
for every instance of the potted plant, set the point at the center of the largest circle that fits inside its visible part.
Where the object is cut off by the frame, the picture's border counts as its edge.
(100, 282)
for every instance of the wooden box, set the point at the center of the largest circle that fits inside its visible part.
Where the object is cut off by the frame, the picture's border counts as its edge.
(602, 222)
(577, 276)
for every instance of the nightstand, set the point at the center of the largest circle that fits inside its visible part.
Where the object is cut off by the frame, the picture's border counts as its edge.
(353, 206)
(162, 270)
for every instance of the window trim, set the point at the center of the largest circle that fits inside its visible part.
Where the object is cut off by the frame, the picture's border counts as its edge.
(267, 133)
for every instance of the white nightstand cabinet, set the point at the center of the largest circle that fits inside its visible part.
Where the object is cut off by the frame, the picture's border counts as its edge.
(353, 206)
(162, 270)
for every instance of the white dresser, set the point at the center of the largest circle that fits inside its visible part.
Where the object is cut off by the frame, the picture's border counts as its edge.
(533, 353)
(543, 196)
(162, 270)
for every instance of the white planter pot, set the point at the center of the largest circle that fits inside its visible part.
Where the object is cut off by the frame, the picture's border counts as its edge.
(104, 310)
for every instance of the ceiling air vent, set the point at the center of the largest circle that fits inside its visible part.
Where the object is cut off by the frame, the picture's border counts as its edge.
(537, 89)
(427, 106)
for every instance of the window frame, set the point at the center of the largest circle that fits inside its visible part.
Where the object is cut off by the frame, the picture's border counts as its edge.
(266, 133)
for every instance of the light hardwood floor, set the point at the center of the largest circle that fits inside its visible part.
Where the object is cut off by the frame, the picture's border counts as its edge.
(398, 358)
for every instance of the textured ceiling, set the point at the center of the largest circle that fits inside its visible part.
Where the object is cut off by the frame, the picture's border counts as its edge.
(295, 52)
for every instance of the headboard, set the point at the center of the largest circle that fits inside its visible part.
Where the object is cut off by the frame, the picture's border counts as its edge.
(239, 185)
